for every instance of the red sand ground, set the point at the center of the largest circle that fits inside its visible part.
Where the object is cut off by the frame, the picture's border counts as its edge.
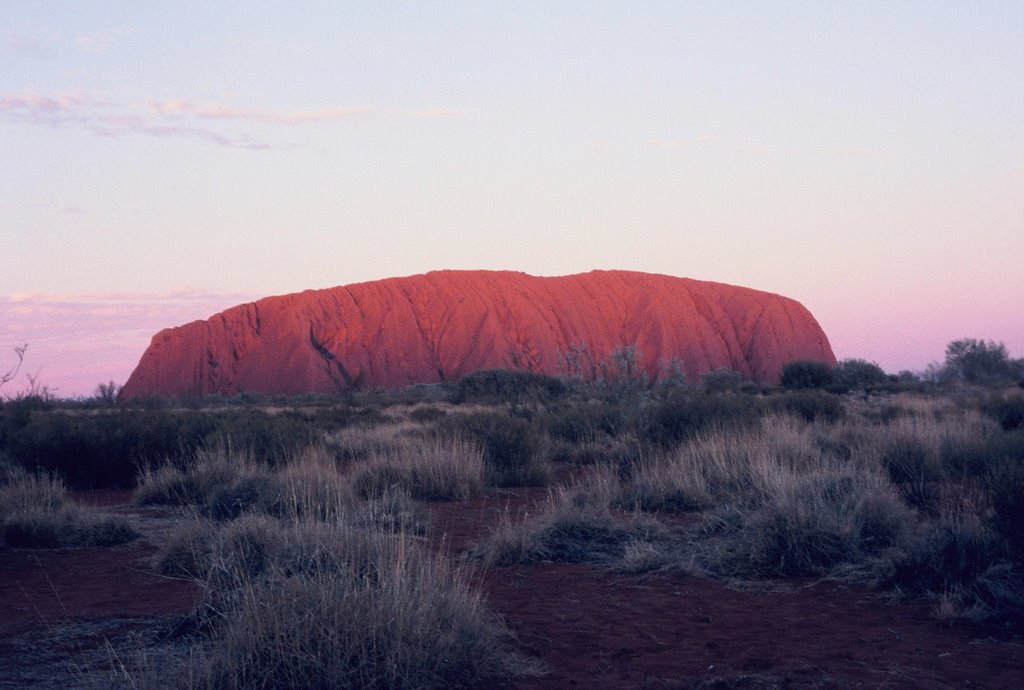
(591, 628)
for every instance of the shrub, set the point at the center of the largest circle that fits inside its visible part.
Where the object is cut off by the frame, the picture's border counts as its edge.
(582, 421)
(858, 374)
(512, 449)
(509, 385)
(1007, 410)
(722, 380)
(682, 416)
(949, 554)
(194, 479)
(977, 361)
(806, 374)
(811, 405)
(1004, 487)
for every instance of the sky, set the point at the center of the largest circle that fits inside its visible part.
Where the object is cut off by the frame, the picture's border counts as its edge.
(164, 161)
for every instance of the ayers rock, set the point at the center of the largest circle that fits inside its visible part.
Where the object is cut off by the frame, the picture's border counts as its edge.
(442, 325)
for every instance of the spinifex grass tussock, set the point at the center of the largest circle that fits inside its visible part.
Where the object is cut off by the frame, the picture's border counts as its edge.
(577, 527)
(433, 469)
(35, 513)
(328, 605)
(308, 487)
(919, 452)
(713, 467)
(193, 479)
(810, 524)
(361, 442)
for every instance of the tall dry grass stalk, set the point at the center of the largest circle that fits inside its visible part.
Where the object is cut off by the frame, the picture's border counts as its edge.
(433, 469)
(35, 513)
(317, 604)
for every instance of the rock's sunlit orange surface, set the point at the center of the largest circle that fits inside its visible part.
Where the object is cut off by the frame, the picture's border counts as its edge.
(442, 325)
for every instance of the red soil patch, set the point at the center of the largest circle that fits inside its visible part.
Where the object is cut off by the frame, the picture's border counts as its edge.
(601, 630)
(597, 629)
(43, 586)
(590, 627)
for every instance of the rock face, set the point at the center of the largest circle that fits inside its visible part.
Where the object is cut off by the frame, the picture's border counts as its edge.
(442, 325)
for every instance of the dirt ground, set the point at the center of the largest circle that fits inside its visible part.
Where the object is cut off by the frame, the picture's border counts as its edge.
(69, 617)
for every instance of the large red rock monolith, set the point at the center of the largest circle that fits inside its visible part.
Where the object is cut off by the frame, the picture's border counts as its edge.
(442, 325)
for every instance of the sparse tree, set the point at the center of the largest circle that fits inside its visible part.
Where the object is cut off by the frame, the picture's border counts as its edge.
(19, 351)
(978, 361)
(107, 392)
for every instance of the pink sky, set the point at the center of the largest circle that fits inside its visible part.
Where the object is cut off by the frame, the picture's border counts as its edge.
(866, 159)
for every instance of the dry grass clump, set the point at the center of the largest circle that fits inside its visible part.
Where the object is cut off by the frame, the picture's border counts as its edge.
(35, 513)
(809, 524)
(577, 527)
(328, 605)
(513, 450)
(715, 467)
(225, 484)
(195, 478)
(308, 487)
(432, 469)
(362, 442)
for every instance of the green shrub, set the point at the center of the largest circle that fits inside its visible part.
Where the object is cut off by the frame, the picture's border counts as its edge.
(858, 374)
(811, 405)
(1004, 486)
(806, 373)
(949, 554)
(104, 447)
(981, 362)
(722, 380)
(583, 421)
(509, 385)
(683, 415)
(1007, 410)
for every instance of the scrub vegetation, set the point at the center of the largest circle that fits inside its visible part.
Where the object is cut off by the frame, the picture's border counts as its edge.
(305, 522)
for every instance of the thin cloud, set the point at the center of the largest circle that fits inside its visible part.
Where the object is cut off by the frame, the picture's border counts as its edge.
(182, 107)
(31, 42)
(429, 112)
(680, 143)
(97, 42)
(181, 118)
(79, 107)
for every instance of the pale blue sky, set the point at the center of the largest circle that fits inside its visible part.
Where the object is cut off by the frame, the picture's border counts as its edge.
(864, 158)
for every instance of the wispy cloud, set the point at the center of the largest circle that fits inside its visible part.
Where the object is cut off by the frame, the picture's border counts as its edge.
(99, 41)
(63, 210)
(84, 109)
(181, 107)
(39, 41)
(181, 118)
(680, 143)
(29, 41)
